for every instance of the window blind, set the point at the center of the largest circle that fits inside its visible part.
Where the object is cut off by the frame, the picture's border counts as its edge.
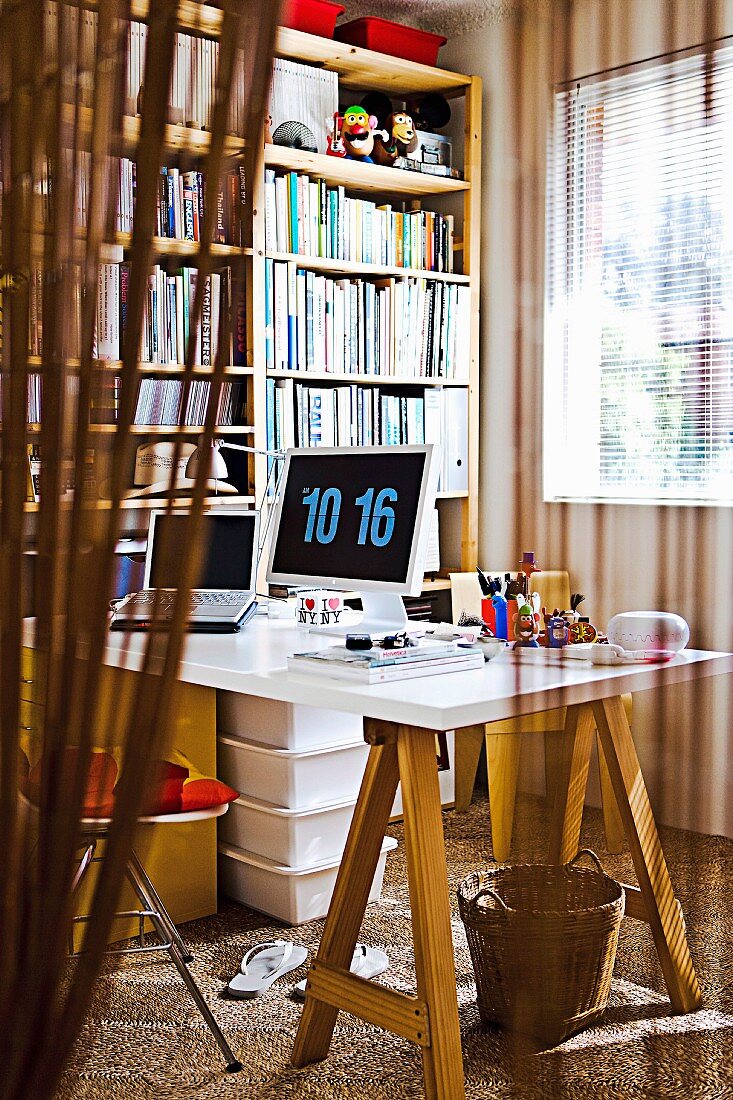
(639, 275)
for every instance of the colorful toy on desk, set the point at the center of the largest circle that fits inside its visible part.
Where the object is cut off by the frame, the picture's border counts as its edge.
(357, 134)
(572, 616)
(526, 627)
(399, 140)
(557, 632)
(582, 632)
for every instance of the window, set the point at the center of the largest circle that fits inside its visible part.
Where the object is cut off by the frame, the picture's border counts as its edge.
(639, 317)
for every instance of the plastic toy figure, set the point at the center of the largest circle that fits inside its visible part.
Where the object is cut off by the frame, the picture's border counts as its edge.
(526, 627)
(557, 632)
(357, 134)
(400, 139)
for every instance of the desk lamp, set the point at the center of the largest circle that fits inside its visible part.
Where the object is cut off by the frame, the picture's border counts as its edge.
(218, 473)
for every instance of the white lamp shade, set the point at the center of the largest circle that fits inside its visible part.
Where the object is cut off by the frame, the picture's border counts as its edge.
(218, 469)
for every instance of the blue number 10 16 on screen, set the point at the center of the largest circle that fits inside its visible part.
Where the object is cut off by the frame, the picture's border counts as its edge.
(375, 525)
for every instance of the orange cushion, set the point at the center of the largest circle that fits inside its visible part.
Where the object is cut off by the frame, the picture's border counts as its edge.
(173, 786)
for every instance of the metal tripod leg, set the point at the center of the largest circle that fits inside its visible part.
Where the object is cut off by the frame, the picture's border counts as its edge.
(172, 932)
(150, 899)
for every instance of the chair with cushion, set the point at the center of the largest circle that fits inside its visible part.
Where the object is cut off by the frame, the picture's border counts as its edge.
(177, 794)
(503, 751)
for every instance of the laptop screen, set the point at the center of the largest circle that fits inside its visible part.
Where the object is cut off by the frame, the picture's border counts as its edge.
(229, 557)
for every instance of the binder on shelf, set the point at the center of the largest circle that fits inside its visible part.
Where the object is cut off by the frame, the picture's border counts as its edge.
(455, 440)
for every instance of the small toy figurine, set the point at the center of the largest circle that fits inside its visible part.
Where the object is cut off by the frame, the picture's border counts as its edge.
(334, 144)
(401, 139)
(357, 134)
(557, 632)
(581, 632)
(526, 627)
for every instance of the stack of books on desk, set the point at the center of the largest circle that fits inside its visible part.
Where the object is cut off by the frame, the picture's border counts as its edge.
(378, 666)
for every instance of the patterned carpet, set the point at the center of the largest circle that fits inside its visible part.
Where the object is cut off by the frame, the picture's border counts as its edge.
(144, 1039)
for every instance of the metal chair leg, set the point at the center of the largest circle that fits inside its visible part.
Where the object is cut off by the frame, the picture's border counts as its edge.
(171, 930)
(151, 900)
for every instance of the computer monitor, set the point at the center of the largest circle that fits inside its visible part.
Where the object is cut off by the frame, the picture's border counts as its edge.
(356, 518)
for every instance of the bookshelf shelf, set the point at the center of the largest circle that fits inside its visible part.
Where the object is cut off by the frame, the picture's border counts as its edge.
(361, 178)
(171, 246)
(35, 362)
(357, 67)
(173, 429)
(360, 68)
(148, 503)
(365, 379)
(375, 271)
(178, 138)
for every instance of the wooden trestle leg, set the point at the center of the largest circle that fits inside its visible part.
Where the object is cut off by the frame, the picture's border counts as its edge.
(660, 907)
(653, 900)
(430, 1020)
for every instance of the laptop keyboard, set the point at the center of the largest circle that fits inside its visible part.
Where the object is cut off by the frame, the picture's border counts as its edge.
(166, 600)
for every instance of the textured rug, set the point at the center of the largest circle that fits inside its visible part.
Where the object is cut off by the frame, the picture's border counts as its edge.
(144, 1038)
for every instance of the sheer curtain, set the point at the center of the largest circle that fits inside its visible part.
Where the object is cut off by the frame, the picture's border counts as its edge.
(64, 117)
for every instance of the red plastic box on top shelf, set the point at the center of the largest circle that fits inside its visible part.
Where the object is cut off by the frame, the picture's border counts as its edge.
(392, 38)
(312, 16)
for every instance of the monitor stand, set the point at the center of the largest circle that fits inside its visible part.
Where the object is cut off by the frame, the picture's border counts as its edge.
(382, 613)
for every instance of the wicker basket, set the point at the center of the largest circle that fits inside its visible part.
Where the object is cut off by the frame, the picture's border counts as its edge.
(543, 943)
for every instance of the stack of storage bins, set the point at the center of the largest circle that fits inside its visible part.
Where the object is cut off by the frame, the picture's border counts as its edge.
(298, 770)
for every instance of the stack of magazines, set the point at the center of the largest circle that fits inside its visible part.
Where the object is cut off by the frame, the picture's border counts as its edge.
(379, 666)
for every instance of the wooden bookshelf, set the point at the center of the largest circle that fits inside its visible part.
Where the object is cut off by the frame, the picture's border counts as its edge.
(362, 70)
(359, 70)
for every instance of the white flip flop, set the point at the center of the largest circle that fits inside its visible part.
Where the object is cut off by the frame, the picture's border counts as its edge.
(367, 962)
(263, 965)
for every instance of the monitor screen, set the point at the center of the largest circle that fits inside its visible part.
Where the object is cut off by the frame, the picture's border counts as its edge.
(354, 517)
(229, 541)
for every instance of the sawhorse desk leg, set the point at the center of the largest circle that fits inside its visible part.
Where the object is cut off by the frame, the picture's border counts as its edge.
(430, 1020)
(654, 901)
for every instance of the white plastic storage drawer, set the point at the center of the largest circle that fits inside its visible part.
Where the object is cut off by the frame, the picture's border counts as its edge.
(292, 894)
(295, 780)
(293, 837)
(284, 725)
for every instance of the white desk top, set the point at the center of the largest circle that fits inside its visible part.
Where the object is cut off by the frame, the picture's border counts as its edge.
(253, 663)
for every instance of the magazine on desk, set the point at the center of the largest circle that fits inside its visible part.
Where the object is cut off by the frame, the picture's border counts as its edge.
(382, 666)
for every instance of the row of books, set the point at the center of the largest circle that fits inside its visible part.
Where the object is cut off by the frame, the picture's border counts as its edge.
(304, 97)
(180, 202)
(407, 328)
(160, 401)
(180, 206)
(163, 401)
(166, 326)
(168, 310)
(195, 65)
(68, 472)
(306, 217)
(300, 415)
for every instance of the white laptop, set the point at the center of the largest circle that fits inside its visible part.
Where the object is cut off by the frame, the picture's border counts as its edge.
(224, 595)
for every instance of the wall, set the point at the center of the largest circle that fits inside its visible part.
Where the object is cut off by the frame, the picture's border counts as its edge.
(620, 556)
